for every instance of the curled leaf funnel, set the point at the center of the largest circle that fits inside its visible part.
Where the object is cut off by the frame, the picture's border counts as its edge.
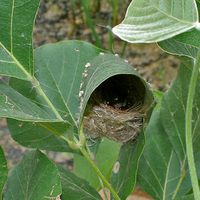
(115, 101)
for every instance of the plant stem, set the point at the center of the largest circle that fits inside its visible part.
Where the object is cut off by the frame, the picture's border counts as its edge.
(84, 152)
(180, 182)
(36, 84)
(91, 25)
(123, 49)
(188, 127)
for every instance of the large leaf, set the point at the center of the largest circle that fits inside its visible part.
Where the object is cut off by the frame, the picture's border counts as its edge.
(61, 82)
(159, 168)
(163, 170)
(16, 28)
(76, 188)
(125, 169)
(3, 171)
(59, 69)
(153, 21)
(105, 66)
(105, 158)
(35, 177)
(173, 113)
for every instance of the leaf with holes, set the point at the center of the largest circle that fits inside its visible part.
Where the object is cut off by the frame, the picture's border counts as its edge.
(153, 21)
(16, 48)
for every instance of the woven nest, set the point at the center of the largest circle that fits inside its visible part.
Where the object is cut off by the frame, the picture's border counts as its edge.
(116, 109)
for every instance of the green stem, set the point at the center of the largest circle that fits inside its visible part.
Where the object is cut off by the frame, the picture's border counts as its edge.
(91, 25)
(84, 152)
(189, 147)
(36, 84)
(180, 182)
(123, 49)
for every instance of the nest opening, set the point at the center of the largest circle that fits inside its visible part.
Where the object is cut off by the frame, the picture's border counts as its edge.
(122, 90)
(116, 108)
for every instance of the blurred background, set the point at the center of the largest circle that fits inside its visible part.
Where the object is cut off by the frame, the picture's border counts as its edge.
(91, 21)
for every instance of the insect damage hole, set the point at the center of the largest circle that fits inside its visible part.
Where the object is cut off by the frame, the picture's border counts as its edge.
(116, 109)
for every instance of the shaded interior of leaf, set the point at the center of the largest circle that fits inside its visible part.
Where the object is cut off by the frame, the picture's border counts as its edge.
(121, 91)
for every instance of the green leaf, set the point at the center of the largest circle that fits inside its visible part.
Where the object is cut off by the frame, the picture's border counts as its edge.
(158, 96)
(105, 157)
(187, 197)
(159, 168)
(183, 46)
(186, 185)
(173, 113)
(3, 171)
(153, 21)
(58, 68)
(16, 106)
(61, 83)
(16, 48)
(35, 177)
(105, 66)
(63, 65)
(40, 135)
(124, 173)
(163, 170)
(76, 188)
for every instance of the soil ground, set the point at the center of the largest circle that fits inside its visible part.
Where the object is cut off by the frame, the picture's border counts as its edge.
(57, 21)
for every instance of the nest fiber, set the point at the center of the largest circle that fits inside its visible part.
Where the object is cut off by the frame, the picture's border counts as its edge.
(116, 109)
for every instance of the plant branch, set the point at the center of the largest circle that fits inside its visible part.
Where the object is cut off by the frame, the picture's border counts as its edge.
(84, 152)
(36, 84)
(188, 127)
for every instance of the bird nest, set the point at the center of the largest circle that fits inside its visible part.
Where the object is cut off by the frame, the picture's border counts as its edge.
(116, 109)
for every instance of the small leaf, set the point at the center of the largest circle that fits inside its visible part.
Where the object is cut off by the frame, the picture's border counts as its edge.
(16, 46)
(76, 188)
(153, 21)
(3, 171)
(35, 177)
(183, 46)
(105, 157)
(158, 96)
(125, 169)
